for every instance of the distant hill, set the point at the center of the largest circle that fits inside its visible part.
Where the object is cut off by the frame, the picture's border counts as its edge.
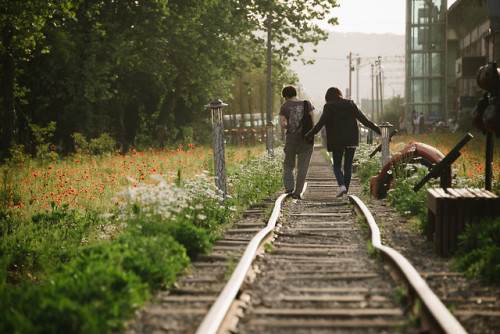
(331, 66)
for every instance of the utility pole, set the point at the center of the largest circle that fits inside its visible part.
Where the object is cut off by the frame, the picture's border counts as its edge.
(380, 83)
(358, 60)
(373, 98)
(269, 121)
(350, 75)
(376, 89)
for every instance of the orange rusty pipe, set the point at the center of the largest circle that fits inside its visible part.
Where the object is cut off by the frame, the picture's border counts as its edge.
(414, 149)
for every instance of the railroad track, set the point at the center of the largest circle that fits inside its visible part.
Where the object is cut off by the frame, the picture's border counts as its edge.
(316, 276)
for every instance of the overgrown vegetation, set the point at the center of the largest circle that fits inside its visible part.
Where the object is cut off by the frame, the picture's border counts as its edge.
(84, 271)
(479, 247)
(364, 167)
(406, 201)
(478, 253)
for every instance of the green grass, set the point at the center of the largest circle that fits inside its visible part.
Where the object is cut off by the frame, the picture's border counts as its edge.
(478, 254)
(68, 270)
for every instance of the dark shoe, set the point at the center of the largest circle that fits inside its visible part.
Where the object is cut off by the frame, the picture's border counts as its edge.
(296, 196)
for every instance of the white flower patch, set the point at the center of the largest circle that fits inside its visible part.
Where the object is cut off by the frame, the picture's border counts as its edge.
(197, 196)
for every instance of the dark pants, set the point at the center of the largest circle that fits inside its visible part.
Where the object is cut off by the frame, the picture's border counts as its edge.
(302, 153)
(343, 179)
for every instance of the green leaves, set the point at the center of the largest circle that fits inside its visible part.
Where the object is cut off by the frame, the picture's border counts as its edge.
(141, 70)
(478, 254)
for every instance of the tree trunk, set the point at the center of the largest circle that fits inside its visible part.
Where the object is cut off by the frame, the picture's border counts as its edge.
(8, 125)
(262, 94)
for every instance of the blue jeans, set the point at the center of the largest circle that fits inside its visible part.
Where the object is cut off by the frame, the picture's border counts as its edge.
(343, 179)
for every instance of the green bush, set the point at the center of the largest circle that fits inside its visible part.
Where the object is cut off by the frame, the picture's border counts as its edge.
(406, 201)
(98, 290)
(261, 175)
(194, 239)
(42, 138)
(18, 156)
(478, 253)
(47, 239)
(365, 169)
(97, 146)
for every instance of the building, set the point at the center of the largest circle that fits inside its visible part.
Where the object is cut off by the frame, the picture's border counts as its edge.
(426, 58)
(473, 39)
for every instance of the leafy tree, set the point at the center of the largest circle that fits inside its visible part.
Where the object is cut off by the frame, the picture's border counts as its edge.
(289, 26)
(393, 110)
(143, 70)
(21, 26)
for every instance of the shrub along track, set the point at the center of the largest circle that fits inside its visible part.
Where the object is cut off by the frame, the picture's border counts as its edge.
(316, 277)
(181, 309)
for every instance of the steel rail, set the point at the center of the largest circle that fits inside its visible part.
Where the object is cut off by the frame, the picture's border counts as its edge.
(220, 307)
(434, 314)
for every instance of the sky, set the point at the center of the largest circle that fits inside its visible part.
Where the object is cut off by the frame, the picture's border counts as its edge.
(371, 16)
(331, 67)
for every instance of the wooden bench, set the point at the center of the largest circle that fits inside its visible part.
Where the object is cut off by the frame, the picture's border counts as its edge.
(449, 210)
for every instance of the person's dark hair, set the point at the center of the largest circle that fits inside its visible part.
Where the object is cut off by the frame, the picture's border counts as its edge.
(289, 91)
(332, 94)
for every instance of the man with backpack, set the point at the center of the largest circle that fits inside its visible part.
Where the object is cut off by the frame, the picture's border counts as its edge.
(297, 150)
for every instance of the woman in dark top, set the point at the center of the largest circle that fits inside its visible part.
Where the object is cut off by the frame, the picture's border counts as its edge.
(340, 118)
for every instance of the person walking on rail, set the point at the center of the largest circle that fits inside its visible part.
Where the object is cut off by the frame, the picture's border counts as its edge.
(340, 118)
(296, 148)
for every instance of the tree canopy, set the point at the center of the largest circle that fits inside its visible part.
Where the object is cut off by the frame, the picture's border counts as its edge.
(138, 70)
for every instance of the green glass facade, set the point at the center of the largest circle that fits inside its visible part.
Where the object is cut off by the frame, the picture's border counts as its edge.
(425, 58)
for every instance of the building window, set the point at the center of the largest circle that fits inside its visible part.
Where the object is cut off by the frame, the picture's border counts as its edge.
(425, 74)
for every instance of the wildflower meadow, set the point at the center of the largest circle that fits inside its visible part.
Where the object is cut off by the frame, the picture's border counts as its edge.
(85, 240)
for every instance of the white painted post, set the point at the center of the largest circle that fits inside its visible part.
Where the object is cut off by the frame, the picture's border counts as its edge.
(385, 127)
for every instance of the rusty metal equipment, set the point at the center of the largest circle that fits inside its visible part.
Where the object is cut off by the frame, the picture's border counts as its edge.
(416, 151)
(443, 168)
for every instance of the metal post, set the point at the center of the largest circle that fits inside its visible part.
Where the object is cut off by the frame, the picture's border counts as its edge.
(218, 146)
(385, 127)
(270, 138)
(488, 171)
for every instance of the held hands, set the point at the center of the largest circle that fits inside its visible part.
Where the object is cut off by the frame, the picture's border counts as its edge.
(309, 136)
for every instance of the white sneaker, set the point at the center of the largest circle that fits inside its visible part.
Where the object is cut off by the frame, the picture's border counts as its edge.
(345, 196)
(342, 190)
